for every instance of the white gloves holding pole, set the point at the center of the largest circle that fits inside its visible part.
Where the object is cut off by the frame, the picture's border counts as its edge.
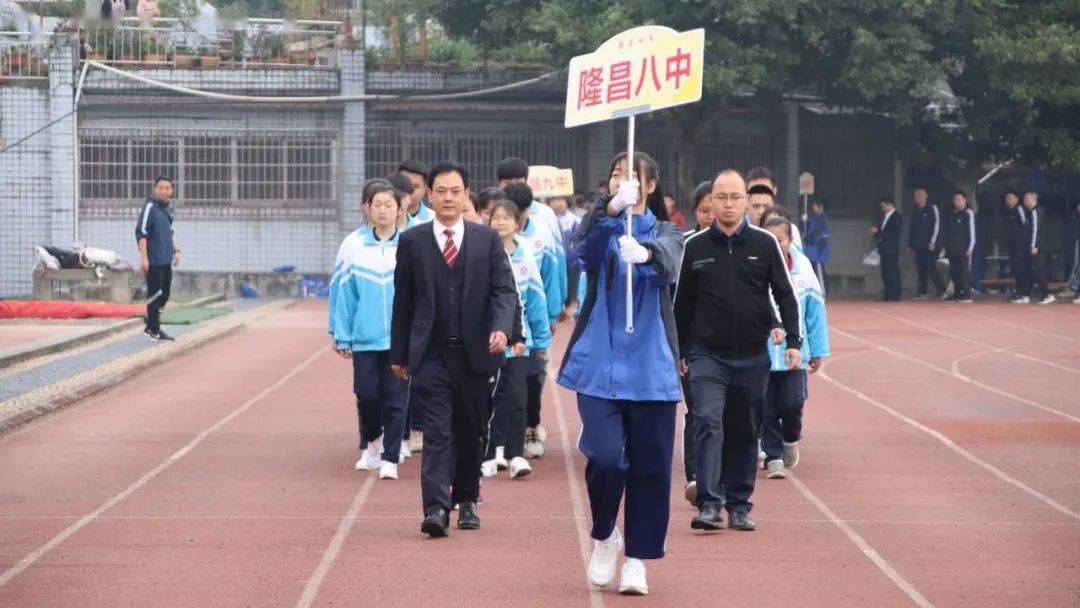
(631, 251)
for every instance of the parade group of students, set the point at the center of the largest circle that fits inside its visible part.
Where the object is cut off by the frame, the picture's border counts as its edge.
(728, 317)
(361, 305)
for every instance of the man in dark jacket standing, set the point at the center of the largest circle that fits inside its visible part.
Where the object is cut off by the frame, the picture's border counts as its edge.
(888, 244)
(923, 242)
(454, 304)
(959, 245)
(1015, 235)
(1035, 224)
(724, 316)
(158, 253)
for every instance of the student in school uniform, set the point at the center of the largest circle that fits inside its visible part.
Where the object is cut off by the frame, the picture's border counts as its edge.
(959, 246)
(1035, 224)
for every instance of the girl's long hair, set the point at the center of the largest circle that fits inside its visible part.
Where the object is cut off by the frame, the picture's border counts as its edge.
(645, 166)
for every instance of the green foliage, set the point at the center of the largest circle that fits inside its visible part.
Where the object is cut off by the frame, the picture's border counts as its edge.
(456, 52)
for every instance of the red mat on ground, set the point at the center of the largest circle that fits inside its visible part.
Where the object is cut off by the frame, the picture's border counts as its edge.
(40, 309)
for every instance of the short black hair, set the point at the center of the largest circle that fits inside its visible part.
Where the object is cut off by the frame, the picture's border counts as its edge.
(510, 207)
(520, 194)
(961, 193)
(402, 183)
(761, 173)
(377, 185)
(703, 189)
(821, 201)
(164, 178)
(512, 168)
(1012, 192)
(441, 168)
(412, 166)
(761, 189)
(887, 201)
(487, 196)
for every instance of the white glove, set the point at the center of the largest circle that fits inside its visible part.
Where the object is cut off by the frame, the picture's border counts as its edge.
(626, 196)
(631, 251)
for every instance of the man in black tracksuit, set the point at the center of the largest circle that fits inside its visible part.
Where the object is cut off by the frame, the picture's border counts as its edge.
(1034, 214)
(959, 245)
(724, 316)
(923, 242)
(1015, 236)
(157, 253)
(888, 243)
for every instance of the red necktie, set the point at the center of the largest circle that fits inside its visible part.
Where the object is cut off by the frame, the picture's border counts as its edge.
(449, 251)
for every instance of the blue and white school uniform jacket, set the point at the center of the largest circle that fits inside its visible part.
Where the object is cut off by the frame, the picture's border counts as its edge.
(535, 326)
(541, 243)
(545, 216)
(813, 320)
(362, 292)
(423, 214)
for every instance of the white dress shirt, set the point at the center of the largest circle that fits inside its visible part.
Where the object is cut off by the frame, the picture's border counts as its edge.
(440, 235)
(886, 220)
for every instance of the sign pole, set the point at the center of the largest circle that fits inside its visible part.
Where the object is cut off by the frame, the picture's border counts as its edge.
(630, 167)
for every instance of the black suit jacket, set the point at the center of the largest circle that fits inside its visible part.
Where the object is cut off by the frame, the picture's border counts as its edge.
(489, 303)
(889, 236)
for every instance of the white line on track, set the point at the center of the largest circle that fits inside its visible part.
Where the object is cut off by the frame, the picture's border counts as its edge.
(992, 348)
(36, 554)
(311, 589)
(1048, 334)
(863, 546)
(949, 443)
(595, 599)
(954, 373)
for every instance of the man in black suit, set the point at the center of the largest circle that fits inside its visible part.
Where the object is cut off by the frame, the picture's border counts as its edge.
(454, 305)
(888, 243)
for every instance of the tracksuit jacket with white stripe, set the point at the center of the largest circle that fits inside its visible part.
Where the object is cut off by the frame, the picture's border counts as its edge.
(813, 320)
(545, 216)
(541, 242)
(960, 232)
(362, 292)
(536, 327)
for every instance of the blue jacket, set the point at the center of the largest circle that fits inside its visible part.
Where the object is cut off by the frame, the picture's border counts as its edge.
(813, 320)
(816, 241)
(543, 246)
(362, 292)
(602, 360)
(545, 216)
(423, 214)
(155, 225)
(535, 326)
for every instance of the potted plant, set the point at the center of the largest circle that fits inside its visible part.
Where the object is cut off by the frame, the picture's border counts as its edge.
(153, 49)
(209, 56)
(272, 48)
(183, 57)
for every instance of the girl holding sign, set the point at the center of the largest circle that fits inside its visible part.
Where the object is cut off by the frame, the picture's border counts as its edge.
(627, 383)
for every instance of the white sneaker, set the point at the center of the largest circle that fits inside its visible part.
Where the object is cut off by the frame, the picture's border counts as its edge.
(760, 456)
(371, 458)
(534, 448)
(605, 557)
(519, 467)
(1022, 300)
(791, 454)
(776, 469)
(406, 453)
(500, 458)
(632, 581)
(541, 433)
(1077, 300)
(488, 468)
(388, 470)
(1050, 299)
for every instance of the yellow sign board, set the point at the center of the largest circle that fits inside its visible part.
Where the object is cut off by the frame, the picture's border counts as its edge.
(640, 70)
(546, 180)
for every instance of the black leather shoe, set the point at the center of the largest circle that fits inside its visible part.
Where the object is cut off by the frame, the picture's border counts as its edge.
(740, 520)
(468, 518)
(437, 523)
(710, 518)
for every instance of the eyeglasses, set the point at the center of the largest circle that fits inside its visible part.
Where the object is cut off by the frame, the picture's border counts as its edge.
(723, 198)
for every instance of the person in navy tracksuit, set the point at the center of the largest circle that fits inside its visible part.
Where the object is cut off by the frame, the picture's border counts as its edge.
(959, 245)
(923, 242)
(1034, 213)
(627, 383)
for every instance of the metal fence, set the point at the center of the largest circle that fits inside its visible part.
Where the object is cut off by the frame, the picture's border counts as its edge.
(210, 169)
(172, 42)
(22, 59)
(477, 150)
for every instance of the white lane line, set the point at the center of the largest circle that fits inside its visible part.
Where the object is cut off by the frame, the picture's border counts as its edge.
(863, 546)
(36, 554)
(584, 544)
(949, 443)
(992, 348)
(953, 373)
(1048, 334)
(311, 589)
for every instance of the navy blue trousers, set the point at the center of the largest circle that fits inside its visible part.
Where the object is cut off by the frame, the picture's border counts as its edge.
(782, 413)
(629, 445)
(380, 401)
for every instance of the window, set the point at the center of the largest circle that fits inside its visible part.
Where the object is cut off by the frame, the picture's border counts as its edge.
(212, 169)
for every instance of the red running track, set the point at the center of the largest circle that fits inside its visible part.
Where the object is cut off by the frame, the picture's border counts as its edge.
(938, 470)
